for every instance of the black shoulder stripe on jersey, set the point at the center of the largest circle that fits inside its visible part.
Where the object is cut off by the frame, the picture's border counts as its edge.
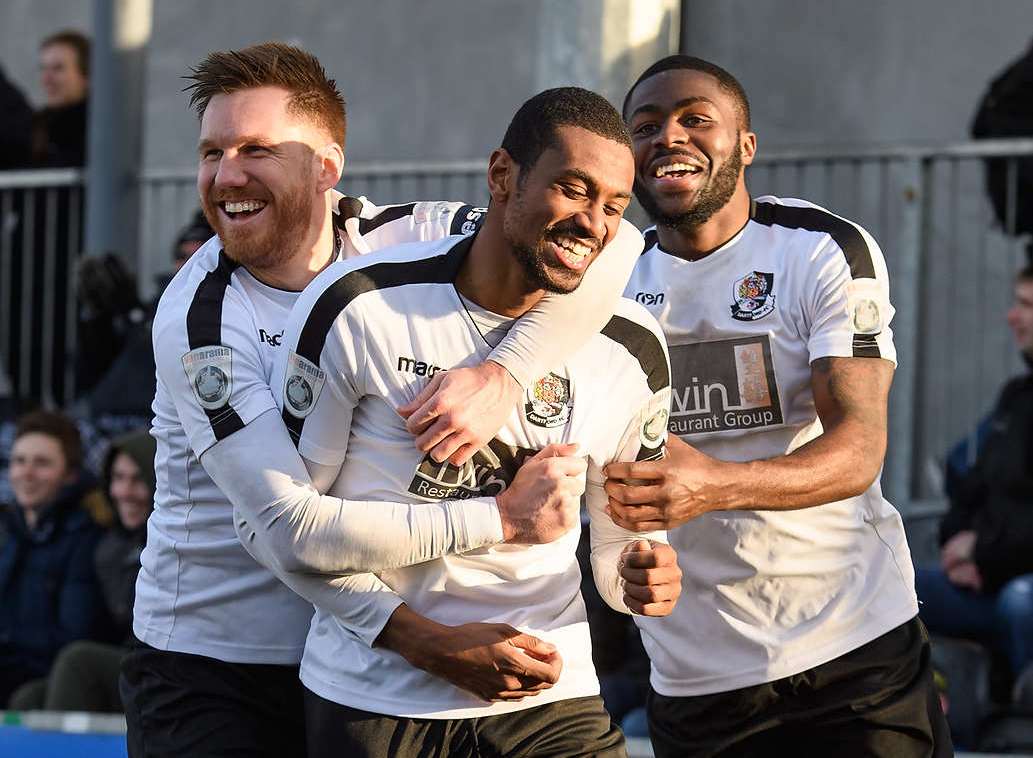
(644, 346)
(651, 238)
(846, 235)
(464, 215)
(866, 346)
(367, 225)
(439, 269)
(204, 327)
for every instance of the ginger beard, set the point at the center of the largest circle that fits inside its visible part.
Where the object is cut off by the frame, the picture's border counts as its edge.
(541, 268)
(711, 198)
(270, 240)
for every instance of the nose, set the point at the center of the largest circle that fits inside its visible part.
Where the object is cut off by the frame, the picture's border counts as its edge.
(230, 172)
(593, 220)
(671, 132)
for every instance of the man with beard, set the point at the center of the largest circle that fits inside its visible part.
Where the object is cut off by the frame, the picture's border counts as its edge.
(220, 638)
(797, 629)
(559, 185)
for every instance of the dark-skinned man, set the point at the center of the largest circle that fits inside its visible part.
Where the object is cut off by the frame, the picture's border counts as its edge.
(797, 629)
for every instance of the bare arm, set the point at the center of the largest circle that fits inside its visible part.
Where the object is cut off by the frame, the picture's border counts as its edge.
(850, 396)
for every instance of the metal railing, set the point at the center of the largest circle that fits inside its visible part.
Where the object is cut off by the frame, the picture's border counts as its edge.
(951, 267)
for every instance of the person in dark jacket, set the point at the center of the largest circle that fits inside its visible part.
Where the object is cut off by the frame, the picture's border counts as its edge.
(59, 137)
(49, 594)
(84, 676)
(983, 587)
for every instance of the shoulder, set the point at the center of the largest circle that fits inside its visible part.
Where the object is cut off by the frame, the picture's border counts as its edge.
(207, 274)
(379, 226)
(810, 226)
(638, 334)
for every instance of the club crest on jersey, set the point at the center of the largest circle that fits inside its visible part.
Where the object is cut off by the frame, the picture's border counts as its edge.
(301, 385)
(652, 431)
(209, 371)
(753, 297)
(548, 401)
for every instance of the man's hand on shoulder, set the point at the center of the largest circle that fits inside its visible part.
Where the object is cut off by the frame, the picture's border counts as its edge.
(492, 661)
(654, 495)
(460, 410)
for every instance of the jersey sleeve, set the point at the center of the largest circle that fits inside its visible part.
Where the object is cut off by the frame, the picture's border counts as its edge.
(846, 300)
(322, 378)
(644, 438)
(208, 361)
(559, 325)
(370, 227)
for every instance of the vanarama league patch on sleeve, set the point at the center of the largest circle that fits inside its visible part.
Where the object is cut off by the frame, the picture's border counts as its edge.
(652, 430)
(209, 371)
(301, 385)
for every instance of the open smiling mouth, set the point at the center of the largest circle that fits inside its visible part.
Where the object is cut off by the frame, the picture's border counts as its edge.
(242, 209)
(678, 170)
(572, 252)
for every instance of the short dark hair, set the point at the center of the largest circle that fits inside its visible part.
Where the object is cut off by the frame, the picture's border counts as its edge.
(727, 82)
(58, 426)
(78, 41)
(533, 129)
(272, 64)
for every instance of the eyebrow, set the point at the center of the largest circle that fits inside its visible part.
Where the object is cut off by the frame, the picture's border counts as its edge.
(592, 184)
(246, 140)
(683, 103)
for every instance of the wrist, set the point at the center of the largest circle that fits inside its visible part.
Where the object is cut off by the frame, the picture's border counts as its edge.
(410, 635)
(509, 526)
(498, 371)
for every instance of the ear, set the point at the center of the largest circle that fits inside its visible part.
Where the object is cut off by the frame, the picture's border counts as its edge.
(330, 166)
(748, 146)
(502, 175)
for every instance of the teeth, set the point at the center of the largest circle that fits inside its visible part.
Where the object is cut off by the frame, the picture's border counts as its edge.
(672, 167)
(241, 206)
(578, 249)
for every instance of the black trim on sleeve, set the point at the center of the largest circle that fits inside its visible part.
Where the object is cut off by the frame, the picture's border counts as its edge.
(644, 346)
(204, 328)
(367, 225)
(866, 346)
(439, 269)
(845, 234)
(462, 217)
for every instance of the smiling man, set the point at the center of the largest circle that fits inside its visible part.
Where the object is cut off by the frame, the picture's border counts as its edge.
(797, 630)
(220, 638)
(559, 185)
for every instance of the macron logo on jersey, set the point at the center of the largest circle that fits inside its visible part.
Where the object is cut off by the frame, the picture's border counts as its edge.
(413, 366)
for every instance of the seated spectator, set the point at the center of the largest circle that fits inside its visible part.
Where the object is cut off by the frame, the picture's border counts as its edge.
(983, 588)
(49, 594)
(85, 674)
(189, 240)
(59, 132)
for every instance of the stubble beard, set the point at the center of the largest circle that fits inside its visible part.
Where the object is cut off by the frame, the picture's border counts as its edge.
(712, 198)
(532, 257)
(283, 236)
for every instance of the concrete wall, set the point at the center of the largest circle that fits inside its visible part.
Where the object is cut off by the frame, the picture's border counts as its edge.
(839, 71)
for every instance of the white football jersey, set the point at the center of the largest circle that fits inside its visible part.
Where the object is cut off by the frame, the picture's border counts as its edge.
(768, 594)
(365, 337)
(216, 335)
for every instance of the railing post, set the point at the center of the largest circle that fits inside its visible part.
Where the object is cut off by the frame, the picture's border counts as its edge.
(906, 294)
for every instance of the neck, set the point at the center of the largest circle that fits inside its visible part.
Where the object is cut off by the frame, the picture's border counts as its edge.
(701, 241)
(31, 517)
(492, 277)
(314, 252)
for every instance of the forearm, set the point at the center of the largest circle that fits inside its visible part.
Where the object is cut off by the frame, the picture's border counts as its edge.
(840, 463)
(292, 528)
(534, 344)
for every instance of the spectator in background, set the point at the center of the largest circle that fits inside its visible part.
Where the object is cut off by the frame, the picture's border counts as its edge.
(983, 588)
(85, 674)
(191, 237)
(59, 134)
(49, 594)
(16, 132)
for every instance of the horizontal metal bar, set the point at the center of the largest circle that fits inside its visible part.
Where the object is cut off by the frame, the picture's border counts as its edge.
(972, 149)
(47, 177)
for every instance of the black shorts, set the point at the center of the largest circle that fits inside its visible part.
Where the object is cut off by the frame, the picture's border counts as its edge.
(564, 729)
(877, 700)
(178, 705)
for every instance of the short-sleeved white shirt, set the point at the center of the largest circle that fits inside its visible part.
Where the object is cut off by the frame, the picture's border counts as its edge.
(365, 337)
(216, 335)
(767, 594)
